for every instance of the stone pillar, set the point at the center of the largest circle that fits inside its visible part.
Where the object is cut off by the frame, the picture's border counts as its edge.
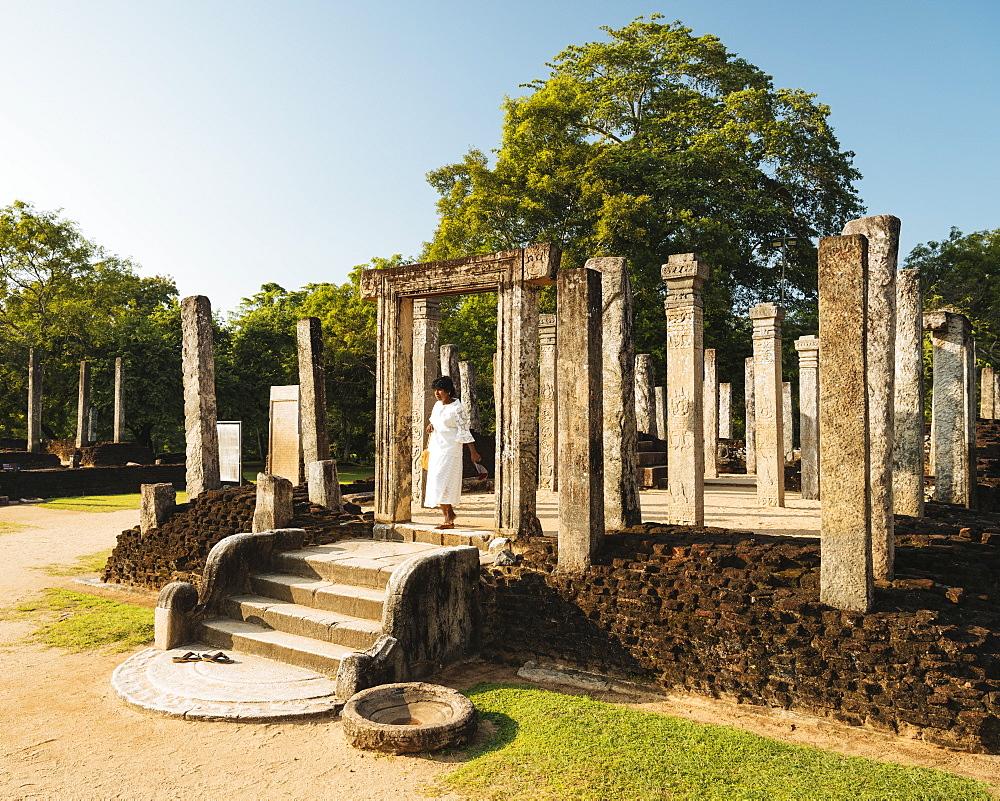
(581, 417)
(273, 509)
(908, 440)
(769, 429)
(324, 484)
(517, 410)
(660, 398)
(725, 411)
(312, 391)
(470, 395)
(83, 407)
(846, 577)
(34, 402)
(882, 232)
(426, 318)
(621, 486)
(987, 394)
(449, 367)
(750, 432)
(645, 405)
(787, 444)
(200, 416)
(953, 407)
(548, 435)
(119, 424)
(156, 501)
(393, 417)
(684, 275)
(710, 413)
(808, 350)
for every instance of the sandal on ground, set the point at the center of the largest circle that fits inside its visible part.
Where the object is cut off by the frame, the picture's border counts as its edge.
(190, 656)
(218, 657)
(445, 525)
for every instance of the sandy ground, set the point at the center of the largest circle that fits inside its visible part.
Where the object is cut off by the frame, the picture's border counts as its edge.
(64, 735)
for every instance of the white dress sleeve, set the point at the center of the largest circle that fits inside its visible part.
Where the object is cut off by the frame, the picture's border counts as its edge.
(464, 435)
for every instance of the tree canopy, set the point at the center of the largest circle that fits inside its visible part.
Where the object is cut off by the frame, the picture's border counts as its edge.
(656, 141)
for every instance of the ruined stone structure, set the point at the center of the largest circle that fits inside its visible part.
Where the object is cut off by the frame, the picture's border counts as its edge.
(846, 578)
(200, 416)
(750, 433)
(119, 424)
(953, 407)
(548, 414)
(882, 233)
(621, 493)
(684, 275)
(787, 445)
(34, 402)
(516, 276)
(660, 397)
(156, 501)
(645, 405)
(312, 391)
(768, 416)
(710, 413)
(324, 484)
(83, 407)
(808, 350)
(426, 319)
(273, 509)
(908, 414)
(580, 361)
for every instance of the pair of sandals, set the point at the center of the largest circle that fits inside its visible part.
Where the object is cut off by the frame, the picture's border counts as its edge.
(446, 525)
(218, 658)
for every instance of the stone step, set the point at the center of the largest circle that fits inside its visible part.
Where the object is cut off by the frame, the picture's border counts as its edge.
(653, 477)
(319, 624)
(345, 599)
(429, 535)
(649, 446)
(293, 649)
(365, 563)
(652, 458)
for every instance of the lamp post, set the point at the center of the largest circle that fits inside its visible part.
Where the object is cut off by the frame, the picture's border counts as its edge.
(783, 242)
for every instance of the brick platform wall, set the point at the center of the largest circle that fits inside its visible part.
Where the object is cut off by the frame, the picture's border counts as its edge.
(65, 482)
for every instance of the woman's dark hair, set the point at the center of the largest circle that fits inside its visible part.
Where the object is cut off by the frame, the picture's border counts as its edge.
(445, 383)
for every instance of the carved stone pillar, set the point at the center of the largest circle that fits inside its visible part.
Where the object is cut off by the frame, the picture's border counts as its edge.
(908, 416)
(548, 411)
(393, 419)
(660, 397)
(710, 413)
(808, 350)
(426, 318)
(987, 394)
(768, 407)
(645, 405)
(684, 275)
(750, 433)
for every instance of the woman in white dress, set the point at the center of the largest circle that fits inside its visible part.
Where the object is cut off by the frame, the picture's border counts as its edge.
(448, 430)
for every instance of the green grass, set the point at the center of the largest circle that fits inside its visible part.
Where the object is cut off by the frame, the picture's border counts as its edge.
(79, 622)
(91, 563)
(10, 528)
(554, 746)
(100, 503)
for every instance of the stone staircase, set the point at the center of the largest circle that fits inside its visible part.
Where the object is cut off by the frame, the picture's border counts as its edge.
(315, 606)
(652, 462)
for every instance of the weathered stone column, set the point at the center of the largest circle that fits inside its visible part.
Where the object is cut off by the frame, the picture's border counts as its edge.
(882, 232)
(426, 318)
(846, 578)
(393, 417)
(470, 394)
(449, 367)
(119, 424)
(908, 441)
(324, 484)
(768, 407)
(725, 411)
(750, 427)
(312, 391)
(581, 417)
(808, 350)
(273, 509)
(517, 410)
(83, 407)
(156, 501)
(987, 394)
(34, 402)
(710, 413)
(787, 445)
(660, 398)
(684, 275)
(953, 407)
(200, 416)
(548, 434)
(621, 487)
(645, 405)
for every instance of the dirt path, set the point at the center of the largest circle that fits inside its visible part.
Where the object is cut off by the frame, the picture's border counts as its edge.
(65, 734)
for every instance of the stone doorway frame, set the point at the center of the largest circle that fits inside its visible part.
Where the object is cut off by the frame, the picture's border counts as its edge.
(516, 276)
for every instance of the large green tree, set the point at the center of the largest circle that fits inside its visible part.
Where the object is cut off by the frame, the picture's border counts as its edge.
(651, 142)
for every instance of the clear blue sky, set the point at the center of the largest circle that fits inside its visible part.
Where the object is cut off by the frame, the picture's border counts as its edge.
(229, 144)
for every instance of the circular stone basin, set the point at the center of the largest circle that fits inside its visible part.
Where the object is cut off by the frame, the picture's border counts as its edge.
(408, 718)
